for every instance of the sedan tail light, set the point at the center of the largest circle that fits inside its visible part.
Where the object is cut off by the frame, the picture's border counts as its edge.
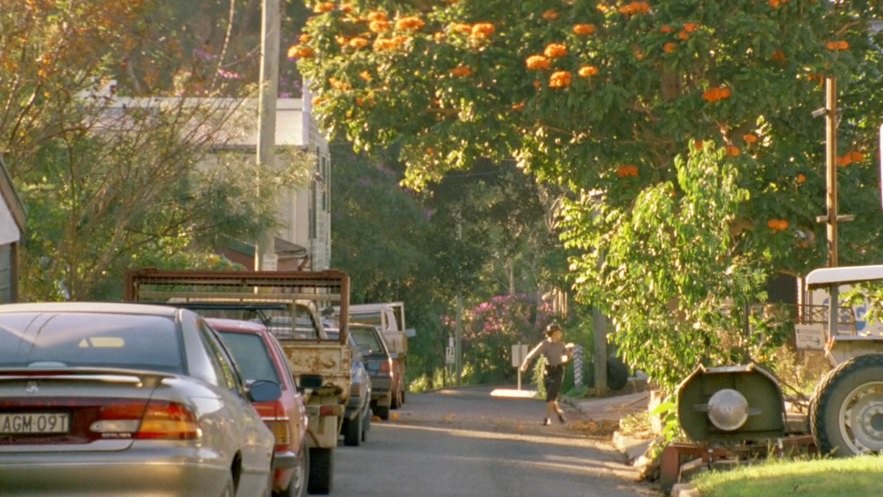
(158, 420)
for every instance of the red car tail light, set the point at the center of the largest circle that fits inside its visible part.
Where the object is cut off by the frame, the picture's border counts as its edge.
(158, 420)
(281, 430)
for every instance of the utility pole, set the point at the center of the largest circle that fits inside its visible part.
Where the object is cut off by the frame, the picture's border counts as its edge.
(458, 331)
(265, 255)
(831, 218)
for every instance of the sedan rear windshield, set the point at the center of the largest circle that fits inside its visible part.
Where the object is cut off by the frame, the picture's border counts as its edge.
(367, 339)
(251, 355)
(90, 340)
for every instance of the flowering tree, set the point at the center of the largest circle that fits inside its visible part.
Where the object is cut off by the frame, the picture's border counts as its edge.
(494, 326)
(599, 97)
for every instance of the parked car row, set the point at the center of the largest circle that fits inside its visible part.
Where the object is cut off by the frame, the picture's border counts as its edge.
(133, 399)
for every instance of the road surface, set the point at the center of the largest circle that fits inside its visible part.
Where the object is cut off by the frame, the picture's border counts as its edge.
(466, 442)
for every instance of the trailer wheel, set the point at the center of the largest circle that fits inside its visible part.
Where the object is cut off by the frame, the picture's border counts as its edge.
(846, 412)
(321, 470)
(352, 431)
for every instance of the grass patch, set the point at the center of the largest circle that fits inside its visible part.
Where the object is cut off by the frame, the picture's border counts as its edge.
(847, 477)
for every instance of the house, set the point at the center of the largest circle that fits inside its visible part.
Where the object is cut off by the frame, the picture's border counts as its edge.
(12, 224)
(303, 239)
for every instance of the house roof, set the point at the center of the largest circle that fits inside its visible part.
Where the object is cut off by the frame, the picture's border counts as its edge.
(295, 126)
(12, 210)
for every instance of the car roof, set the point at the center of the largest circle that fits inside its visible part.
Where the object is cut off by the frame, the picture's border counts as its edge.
(843, 275)
(92, 307)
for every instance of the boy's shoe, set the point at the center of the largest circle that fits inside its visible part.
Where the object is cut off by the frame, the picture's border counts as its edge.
(560, 418)
(546, 422)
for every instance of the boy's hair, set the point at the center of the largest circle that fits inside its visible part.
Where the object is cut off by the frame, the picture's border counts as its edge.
(552, 328)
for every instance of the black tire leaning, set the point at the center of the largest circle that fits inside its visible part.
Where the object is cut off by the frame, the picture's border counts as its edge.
(352, 431)
(617, 373)
(838, 390)
(321, 471)
(382, 412)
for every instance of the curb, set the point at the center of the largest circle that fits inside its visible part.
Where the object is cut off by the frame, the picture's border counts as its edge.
(684, 490)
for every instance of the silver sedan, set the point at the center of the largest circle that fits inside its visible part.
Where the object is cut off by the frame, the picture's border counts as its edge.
(111, 399)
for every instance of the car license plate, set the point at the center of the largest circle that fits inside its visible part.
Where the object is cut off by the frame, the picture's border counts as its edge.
(34, 422)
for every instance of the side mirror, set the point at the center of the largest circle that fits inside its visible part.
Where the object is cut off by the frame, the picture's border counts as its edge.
(264, 391)
(309, 382)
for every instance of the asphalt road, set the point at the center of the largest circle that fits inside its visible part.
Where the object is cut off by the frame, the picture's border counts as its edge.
(465, 443)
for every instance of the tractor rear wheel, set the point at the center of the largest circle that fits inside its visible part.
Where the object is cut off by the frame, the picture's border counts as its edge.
(846, 412)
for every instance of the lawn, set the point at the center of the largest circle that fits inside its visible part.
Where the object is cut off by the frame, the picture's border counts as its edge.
(848, 477)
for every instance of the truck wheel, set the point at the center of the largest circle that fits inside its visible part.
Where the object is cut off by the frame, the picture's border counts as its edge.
(321, 470)
(367, 426)
(352, 431)
(382, 412)
(846, 412)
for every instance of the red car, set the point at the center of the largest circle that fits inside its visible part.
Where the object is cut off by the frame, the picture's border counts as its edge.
(259, 357)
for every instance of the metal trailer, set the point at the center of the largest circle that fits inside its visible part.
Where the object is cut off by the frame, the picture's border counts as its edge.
(739, 412)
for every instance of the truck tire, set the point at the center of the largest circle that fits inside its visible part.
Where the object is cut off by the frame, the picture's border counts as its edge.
(321, 471)
(845, 414)
(367, 425)
(352, 431)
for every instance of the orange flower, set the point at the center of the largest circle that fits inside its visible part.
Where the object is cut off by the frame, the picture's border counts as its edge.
(733, 151)
(588, 71)
(683, 35)
(777, 3)
(716, 94)
(358, 42)
(300, 52)
(667, 29)
(670, 47)
(856, 156)
(550, 15)
(837, 46)
(304, 38)
(518, 107)
(379, 26)
(538, 63)
(778, 56)
(690, 27)
(410, 23)
(555, 50)
(698, 144)
(800, 178)
(559, 79)
(778, 224)
(462, 28)
(323, 7)
(634, 8)
(483, 30)
(377, 16)
(461, 71)
(584, 29)
(750, 138)
(627, 170)
(844, 160)
(365, 75)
